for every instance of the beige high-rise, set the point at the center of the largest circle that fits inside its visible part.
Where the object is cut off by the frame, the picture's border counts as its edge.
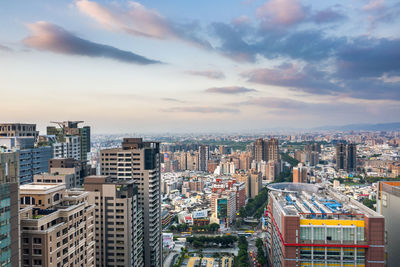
(119, 234)
(57, 226)
(255, 183)
(140, 161)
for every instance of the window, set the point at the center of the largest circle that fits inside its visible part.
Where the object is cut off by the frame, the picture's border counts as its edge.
(37, 240)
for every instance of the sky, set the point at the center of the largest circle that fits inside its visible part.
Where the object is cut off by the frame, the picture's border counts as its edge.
(200, 66)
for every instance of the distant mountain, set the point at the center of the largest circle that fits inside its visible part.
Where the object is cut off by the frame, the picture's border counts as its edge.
(391, 126)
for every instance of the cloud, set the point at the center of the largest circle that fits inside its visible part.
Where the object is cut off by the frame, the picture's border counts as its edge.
(274, 103)
(170, 99)
(369, 57)
(137, 20)
(212, 74)
(374, 5)
(201, 109)
(306, 78)
(313, 80)
(242, 20)
(327, 15)
(281, 13)
(50, 37)
(308, 45)
(229, 90)
(5, 48)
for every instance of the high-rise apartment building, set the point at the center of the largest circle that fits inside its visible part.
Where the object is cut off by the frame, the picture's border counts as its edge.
(351, 158)
(255, 183)
(346, 157)
(71, 128)
(300, 174)
(204, 156)
(18, 129)
(140, 161)
(119, 233)
(340, 156)
(57, 226)
(32, 160)
(70, 148)
(9, 208)
(259, 150)
(223, 207)
(266, 150)
(272, 147)
(242, 177)
(308, 225)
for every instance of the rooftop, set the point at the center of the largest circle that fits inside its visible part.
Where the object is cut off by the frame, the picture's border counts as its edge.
(40, 188)
(317, 202)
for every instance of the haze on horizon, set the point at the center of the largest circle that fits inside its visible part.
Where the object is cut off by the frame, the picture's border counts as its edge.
(197, 66)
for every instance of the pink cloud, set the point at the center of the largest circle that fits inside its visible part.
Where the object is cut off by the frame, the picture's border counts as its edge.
(374, 5)
(282, 12)
(137, 20)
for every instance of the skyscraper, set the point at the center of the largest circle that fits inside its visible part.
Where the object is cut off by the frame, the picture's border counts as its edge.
(351, 157)
(9, 208)
(272, 148)
(340, 156)
(346, 157)
(204, 155)
(255, 183)
(259, 150)
(116, 204)
(140, 161)
(266, 150)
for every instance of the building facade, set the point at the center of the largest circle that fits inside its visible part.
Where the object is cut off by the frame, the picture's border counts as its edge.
(57, 226)
(308, 225)
(140, 161)
(204, 155)
(119, 233)
(18, 129)
(33, 161)
(388, 205)
(9, 208)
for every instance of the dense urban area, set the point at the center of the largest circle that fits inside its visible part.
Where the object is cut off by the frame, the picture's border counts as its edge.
(72, 198)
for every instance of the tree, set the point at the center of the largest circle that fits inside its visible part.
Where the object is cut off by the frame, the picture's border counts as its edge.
(242, 212)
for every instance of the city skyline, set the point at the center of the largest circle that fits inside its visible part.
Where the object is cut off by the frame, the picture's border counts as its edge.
(198, 67)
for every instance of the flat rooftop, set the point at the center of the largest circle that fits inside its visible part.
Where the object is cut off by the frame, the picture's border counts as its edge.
(40, 187)
(310, 201)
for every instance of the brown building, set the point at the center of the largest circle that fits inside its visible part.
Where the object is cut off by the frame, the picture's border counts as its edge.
(212, 165)
(140, 161)
(259, 150)
(69, 166)
(57, 226)
(118, 221)
(245, 161)
(272, 148)
(9, 210)
(18, 129)
(300, 174)
(243, 177)
(255, 183)
(308, 225)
